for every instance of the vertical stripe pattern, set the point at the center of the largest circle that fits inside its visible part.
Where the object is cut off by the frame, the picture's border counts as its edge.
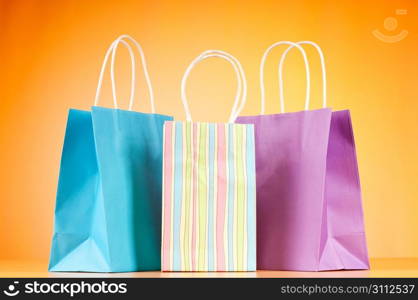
(208, 197)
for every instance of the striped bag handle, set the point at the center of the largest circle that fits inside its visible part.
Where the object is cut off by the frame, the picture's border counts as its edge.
(241, 95)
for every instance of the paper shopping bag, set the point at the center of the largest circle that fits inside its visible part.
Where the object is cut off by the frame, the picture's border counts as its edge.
(309, 210)
(209, 191)
(108, 206)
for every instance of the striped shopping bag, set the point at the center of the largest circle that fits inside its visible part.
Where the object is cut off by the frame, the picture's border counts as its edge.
(209, 210)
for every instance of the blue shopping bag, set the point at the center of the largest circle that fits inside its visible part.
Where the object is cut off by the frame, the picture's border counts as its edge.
(108, 205)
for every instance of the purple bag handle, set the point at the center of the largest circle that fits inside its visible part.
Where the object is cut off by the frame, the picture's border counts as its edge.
(324, 76)
(263, 61)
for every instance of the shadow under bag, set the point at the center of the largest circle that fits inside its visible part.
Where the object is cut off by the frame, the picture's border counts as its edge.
(309, 210)
(108, 206)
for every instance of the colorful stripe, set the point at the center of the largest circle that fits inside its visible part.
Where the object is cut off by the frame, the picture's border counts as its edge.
(178, 190)
(231, 195)
(251, 203)
(211, 190)
(183, 204)
(208, 197)
(194, 202)
(202, 196)
(221, 198)
(187, 193)
(240, 199)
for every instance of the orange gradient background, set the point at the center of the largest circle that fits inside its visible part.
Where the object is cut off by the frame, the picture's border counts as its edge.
(51, 53)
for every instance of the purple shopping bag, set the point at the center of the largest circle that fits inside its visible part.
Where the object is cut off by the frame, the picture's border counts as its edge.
(309, 210)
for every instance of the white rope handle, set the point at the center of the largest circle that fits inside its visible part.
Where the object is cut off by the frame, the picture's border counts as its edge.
(324, 76)
(144, 68)
(113, 48)
(241, 95)
(263, 61)
(100, 82)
